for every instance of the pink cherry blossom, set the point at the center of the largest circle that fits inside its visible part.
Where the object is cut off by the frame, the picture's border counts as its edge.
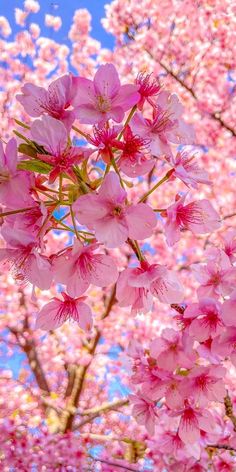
(105, 139)
(53, 136)
(104, 97)
(14, 184)
(206, 319)
(134, 159)
(187, 169)
(224, 345)
(229, 310)
(136, 286)
(144, 412)
(147, 88)
(111, 219)
(205, 384)
(217, 276)
(170, 351)
(192, 421)
(80, 266)
(57, 311)
(230, 244)
(199, 217)
(167, 126)
(55, 101)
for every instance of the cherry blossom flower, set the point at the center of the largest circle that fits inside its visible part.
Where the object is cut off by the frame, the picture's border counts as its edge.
(229, 310)
(217, 276)
(136, 286)
(230, 244)
(224, 345)
(199, 217)
(53, 136)
(144, 412)
(108, 215)
(192, 421)
(205, 384)
(147, 88)
(14, 184)
(171, 350)
(187, 169)
(105, 139)
(80, 266)
(134, 159)
(55, 101)
(104, 97)
(57, 311)
(166, 127)
(206, 319)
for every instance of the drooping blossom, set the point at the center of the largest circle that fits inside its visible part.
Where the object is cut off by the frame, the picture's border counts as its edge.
(55, 101)
(137, 286)
(28, 264)
(205, 319)
(112, 220)
(167, 126)
(171, 350)
(194, 420)
(14, 185)
(134, 159)
(199, 217)
(144, 411)
(229, 239)
(104, 97)
(53, 136)
(57, 311)
(81, 266)
(187, 169)
(217, 276)
(148, 87)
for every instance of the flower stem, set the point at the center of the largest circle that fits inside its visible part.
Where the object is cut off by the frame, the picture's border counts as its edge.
(130, 115)
(80, 132)
(164, 179)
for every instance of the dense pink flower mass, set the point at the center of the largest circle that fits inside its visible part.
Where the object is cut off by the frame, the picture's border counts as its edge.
(117, 283)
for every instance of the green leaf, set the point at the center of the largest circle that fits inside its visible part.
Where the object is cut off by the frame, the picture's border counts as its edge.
(35, 166)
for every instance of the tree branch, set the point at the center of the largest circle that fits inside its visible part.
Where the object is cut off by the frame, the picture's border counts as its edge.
(229, 410)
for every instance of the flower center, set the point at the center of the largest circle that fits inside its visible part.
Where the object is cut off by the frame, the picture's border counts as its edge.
(103, 104)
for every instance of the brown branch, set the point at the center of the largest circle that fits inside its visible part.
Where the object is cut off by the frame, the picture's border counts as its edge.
(229, 410)
(115, 464)
(215, 115)
(221, 446)
(68, 414)
(93, 413)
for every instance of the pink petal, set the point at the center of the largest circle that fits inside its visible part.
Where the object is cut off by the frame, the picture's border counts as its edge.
(168, 289)
(85, 316)
(85, 93)
(50, 133)
(141, 221)
(48, 318)
(127, 97)
(106, 81)
(111, 190)
(105, 272)
(88, 209)
(111, 231)
(33, 99)
(189, 430)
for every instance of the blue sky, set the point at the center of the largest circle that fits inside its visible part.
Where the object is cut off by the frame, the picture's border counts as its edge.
(65, 9)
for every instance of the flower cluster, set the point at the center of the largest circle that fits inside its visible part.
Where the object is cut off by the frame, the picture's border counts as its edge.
(53, 181)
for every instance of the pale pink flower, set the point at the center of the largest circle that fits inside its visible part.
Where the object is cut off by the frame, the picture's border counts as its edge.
(205, 319)
(112, 220)
(199, 217)
(32, 6)
(5, 29)
(229, 310)
(57, 311)
(53, 136)
(104, 97)
(187, 169)
(205, 384)
(52, 21)
(55, 101)
(225, 345)
(193, 421)
(14, 184)
(230, 244)
(31, 223)
(166, 127)
(134, 159)
(144, 411)
(136, 286)
(217, 277)
(172, 350)
(81, 266)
